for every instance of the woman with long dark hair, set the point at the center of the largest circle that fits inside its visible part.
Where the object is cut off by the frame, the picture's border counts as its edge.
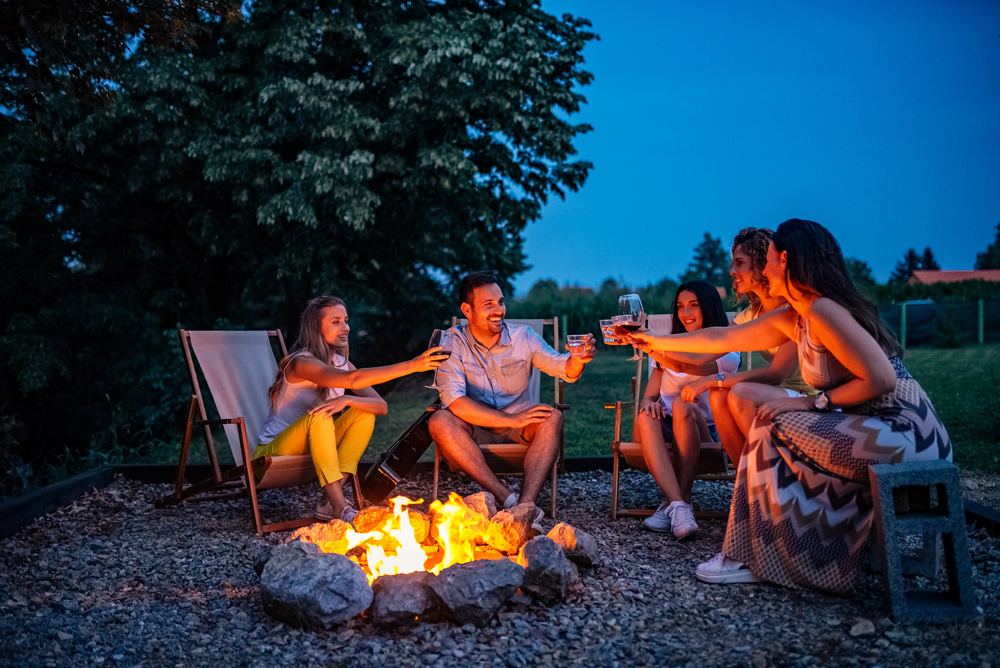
(801, 514)
(663, 414)
(310, 412)
(735, 397)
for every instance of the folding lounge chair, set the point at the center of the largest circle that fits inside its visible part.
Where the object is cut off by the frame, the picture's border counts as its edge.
(508, 458)
(239, 367)
(713, 464)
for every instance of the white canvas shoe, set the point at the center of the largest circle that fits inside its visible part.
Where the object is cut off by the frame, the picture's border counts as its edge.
(348, 515)
(324, 509)
(659, 521)
(720, 569)
(682, 519)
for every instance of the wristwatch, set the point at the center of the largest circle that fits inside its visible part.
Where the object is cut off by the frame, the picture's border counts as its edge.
(720, 377)
(822, 402)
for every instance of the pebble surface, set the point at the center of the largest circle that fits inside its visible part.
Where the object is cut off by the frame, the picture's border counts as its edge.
(113, 581)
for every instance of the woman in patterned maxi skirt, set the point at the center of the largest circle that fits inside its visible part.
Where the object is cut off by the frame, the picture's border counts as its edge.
(801, 514)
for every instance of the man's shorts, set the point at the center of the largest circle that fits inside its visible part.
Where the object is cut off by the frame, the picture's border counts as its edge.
(486, 436)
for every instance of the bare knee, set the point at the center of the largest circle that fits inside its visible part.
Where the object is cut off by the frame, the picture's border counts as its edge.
(683, 411)
(718, 399)
(442, 423)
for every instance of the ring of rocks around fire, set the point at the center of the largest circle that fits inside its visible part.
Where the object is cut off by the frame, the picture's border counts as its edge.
(474, 559)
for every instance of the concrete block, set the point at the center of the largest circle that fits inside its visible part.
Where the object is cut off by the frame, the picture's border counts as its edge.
(946, 519)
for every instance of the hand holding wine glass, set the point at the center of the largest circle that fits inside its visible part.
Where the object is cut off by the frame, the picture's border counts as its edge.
(633, 317)
(440, 338)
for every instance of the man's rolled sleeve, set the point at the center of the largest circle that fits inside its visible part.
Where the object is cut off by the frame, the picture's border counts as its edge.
(547, 360)
(450, 380)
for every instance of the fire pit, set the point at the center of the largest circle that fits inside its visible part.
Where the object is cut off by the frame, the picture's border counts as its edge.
(461, 561)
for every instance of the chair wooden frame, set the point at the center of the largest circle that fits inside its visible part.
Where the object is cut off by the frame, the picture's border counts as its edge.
(713, 463)
(508, 458)
(234, 482)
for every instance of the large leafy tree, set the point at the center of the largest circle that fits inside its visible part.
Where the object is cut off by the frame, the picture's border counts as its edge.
(372, 150)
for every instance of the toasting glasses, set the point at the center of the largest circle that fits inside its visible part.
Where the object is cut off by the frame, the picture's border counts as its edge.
(440, 337)
(631, 317)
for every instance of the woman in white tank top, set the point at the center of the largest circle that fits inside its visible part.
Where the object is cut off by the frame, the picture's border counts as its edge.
(310, 412)
(664, 414)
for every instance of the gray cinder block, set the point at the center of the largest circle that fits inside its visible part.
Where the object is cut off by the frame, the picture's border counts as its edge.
(947, 520)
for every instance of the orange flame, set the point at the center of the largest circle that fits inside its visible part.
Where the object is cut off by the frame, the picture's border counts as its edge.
(455, 530)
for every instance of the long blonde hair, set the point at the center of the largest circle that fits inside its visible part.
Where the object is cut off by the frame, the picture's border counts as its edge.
(310, 339)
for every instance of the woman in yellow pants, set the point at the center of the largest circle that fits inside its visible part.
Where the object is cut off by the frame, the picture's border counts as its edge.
(310, 413)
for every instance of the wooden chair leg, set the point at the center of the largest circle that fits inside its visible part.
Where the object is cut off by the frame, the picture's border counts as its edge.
(437, 472)
(555, 472)
(185, 446)
(614, 485)
(248, 473)
(358, 496)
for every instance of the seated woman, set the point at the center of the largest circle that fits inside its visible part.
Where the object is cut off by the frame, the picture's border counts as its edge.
(309, 391)
(734, 397)
(663, 414)
(801, 513)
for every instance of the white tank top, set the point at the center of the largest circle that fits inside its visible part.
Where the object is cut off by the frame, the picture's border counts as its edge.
(295, 399)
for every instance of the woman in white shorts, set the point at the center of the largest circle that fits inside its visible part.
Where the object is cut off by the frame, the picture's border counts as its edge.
(664, 415)
(734, 397)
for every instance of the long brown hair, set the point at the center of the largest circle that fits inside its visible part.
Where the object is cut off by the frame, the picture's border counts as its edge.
(753, 241)
(816, 262)
(310, 339)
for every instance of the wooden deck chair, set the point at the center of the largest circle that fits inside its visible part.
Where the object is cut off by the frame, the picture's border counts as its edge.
(713, 463)
(508, 458)
(238, 367)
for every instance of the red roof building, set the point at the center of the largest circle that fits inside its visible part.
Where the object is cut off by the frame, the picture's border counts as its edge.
(921, 276)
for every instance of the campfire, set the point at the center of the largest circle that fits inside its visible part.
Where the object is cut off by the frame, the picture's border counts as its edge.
(400, 539)
(461, 561)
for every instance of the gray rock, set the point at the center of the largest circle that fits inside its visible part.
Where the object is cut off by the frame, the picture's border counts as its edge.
(260, 560)
(547, 571)
(303, 586)
(472, 593)
(579, 546)
(404, 599)
(862, 628)
(483, 503)
(510, 529)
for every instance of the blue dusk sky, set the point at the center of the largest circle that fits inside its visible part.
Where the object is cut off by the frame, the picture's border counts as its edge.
(880, 120)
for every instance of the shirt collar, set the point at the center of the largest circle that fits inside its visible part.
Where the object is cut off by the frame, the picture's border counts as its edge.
(504, 337)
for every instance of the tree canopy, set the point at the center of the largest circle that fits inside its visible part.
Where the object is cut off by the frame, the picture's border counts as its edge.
(990, 258)
(710, 263)
(374, 151)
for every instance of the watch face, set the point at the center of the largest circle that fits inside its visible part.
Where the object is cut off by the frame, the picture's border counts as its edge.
(822, 402)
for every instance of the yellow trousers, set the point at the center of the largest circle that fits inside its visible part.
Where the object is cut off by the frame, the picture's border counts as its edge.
(336, 445)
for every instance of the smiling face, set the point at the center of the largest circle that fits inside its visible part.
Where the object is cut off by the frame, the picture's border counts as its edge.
(689, 311)
(487, 311)
(774, 272)
(742, 271)
(333, 326)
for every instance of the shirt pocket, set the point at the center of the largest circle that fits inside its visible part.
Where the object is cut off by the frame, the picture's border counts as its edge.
(514, 377)
(474, 374)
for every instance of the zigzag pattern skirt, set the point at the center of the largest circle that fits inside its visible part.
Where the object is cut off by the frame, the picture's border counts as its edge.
(802, 513)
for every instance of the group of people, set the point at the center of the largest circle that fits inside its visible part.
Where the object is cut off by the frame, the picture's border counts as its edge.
(834, 399)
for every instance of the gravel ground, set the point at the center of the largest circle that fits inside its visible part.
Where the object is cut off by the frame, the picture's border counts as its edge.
(113, 581)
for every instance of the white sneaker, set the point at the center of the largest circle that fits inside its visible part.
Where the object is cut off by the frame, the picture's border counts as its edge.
(348, 515)
(720, 569)
(512, 501)
(659, 521)
(324, 509)
(682, 519)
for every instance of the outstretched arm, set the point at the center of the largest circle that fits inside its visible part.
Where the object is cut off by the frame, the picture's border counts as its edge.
(768, 331)
(307, 367)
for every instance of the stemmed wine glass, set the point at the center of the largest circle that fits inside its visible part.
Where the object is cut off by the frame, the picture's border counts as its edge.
(439, 337)
(633, 316)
